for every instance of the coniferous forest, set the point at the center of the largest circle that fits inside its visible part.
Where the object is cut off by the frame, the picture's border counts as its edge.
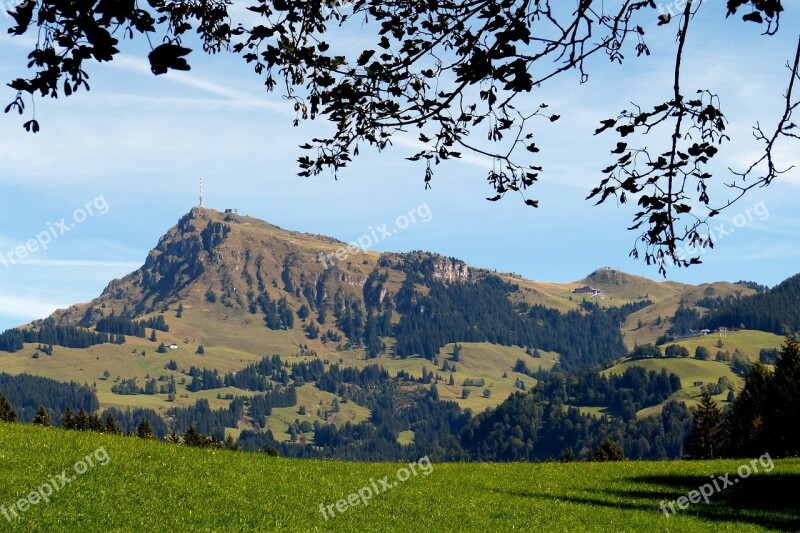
(538, 424)
(534, 425)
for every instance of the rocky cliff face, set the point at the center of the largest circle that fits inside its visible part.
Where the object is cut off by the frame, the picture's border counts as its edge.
(179, 260)
(215, 259)
(451, 271)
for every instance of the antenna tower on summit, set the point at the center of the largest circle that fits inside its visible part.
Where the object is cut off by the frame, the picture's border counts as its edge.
(201, 192)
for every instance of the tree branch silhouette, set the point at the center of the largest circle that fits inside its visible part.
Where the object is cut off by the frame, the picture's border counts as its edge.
(444, 70)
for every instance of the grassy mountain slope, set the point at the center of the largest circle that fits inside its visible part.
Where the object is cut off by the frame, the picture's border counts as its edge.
(686, 295)
(619, 288)
(692, 370)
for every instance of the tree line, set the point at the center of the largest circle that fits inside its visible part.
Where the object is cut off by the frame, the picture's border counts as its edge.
(763, 418)
(120, 325)
(624, 394)
(48, 333)
(27, 393)
(775, 310)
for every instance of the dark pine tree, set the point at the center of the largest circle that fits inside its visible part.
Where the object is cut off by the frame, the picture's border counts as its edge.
(7, 414)
(111, 425)
(744, 424)
(68, 419)
(145, 431)
(705, 438)
(608, 451)
(782, 416)
(42, 417)
(457, 353)
(81, 420)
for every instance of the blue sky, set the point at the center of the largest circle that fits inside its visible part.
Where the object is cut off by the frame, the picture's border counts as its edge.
(134, 148)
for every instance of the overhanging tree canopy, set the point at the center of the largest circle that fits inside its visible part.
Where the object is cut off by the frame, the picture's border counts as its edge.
(445, 69)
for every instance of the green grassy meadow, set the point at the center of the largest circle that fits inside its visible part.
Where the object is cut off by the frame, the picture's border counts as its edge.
(749, 342)
(690, 370)
(150, 486)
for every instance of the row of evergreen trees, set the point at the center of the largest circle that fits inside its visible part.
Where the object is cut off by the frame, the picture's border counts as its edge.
(162, 385)
(80, 421)
(120, 325)
(623, 394)
(775, 310)
(93, 422)
(342, 440)
(27, 393)
(527, 427)
(764, 417)
(12, 340)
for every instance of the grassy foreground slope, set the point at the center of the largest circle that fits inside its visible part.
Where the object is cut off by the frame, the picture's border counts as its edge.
(148, 486)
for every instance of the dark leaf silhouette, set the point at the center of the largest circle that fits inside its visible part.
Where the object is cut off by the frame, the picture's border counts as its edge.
(446, 70)
(168, 56)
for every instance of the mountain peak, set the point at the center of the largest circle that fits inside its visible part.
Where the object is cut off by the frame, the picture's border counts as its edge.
(609, 276)
(221, 256)
(230, 265)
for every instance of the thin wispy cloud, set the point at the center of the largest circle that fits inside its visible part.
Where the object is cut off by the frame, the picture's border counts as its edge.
(82, 263)
(756, 252)
(26, 308)
(139, 66)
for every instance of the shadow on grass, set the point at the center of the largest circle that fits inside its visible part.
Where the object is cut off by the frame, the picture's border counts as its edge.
(766, 500)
